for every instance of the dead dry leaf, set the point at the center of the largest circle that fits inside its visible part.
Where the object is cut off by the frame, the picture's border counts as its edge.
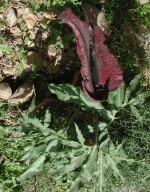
(17, 134)
(23, 93)
(30, 44)
(16, 31)
(33, 33)
(1, 53)
(147, 74)
(51, 51)
(10, 71)
(34, 58)
(21, 11)
(54, 66)
(5, 91)
(41, 106)
(1, 16)
(30, 19)
(11, 16)
(50, 14)
(26, 67)
(45, 35)
(75, 77)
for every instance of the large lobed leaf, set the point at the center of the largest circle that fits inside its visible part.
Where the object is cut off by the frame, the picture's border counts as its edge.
(109, 70)
(71, 94)
(32, 169)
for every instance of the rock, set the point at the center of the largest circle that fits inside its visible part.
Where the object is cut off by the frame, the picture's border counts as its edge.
(5, 91)
(143, 1)
(103, 23)
(23, 93)
(97, 18)
(11, 16)
(10, 71)
(51, 51)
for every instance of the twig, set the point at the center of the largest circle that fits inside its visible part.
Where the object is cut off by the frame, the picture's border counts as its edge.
(72, 117)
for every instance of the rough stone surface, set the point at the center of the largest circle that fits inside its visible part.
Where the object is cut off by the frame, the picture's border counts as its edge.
(11, 17)
(5, 91)
(143, 1)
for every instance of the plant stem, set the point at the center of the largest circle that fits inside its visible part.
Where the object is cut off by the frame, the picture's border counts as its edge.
(72, 117)
(96, 129)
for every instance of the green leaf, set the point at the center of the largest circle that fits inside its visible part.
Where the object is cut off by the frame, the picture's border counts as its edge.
(117, 151)
(71, 94)
(27, 153)
(79, 135)
(2, 132)
(131, 88)
(87, 172)
(89, 103)
(90, 166)
(120, 95)
(74, 187)
(119, 154)
(75, 163)
(71, 143)
(136, 113)
(32, 111)
(21, 69)
(51, 144)
(102, 136)
(116, 97)
(5, 48)
(102, 126)
(35, 123)
(32, 169)
(115, 101)
(33, 153)
(26, 40)
(47, 119)
(101, 170)
(66, 93)
(113, 165)
(104, 144)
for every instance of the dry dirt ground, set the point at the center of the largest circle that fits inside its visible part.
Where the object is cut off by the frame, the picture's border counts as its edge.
(32, 53)
(36, 48)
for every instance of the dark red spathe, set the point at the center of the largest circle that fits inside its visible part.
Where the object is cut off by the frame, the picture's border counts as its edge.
(110, 72)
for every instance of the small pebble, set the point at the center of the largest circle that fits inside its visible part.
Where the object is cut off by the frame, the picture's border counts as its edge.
(5, 91)
(11, 17)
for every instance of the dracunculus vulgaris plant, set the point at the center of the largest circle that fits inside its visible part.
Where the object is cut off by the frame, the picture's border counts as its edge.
(100, 69)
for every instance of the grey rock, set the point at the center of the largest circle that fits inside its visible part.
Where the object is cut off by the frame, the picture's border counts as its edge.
(143, 1)
(11, 17)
